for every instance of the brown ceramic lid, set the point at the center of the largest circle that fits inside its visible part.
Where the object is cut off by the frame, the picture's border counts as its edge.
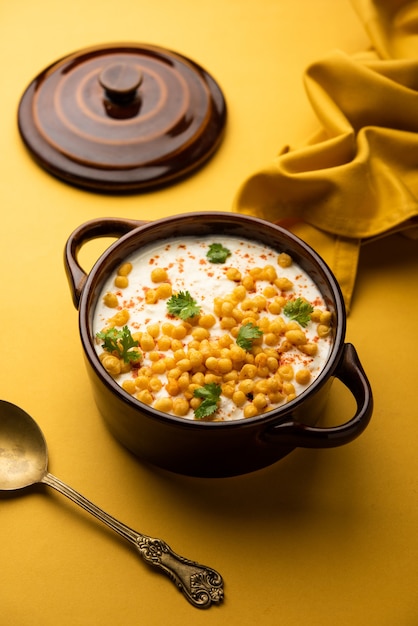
(122, 118)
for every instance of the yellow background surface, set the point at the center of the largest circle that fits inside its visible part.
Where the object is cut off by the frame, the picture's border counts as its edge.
(323, 537)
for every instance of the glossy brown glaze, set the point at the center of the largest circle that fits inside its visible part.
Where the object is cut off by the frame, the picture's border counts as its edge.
(215, 449)
(122, 118)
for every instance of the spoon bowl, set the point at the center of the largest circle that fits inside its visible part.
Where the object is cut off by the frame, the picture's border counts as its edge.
(23, 449)
(24, 462)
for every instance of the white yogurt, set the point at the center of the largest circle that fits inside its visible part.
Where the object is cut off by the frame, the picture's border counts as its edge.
(188, 269)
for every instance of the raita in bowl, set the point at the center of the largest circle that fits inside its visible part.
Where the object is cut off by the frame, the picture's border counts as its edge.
(211, 341)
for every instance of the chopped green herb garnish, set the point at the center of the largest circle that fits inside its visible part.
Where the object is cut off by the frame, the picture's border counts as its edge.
(121, 342)
(210, 393)
(247, 334)
(182, 305)
(217, 253)
(299, 310)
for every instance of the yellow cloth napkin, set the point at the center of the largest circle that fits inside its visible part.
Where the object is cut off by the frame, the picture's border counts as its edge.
(357, 178)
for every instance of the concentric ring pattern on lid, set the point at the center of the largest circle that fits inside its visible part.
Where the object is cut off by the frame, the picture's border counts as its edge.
(122, 118)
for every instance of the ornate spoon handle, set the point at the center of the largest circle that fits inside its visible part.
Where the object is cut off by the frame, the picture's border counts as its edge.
(201, 585)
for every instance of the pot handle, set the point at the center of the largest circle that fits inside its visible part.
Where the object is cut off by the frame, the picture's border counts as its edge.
(93, 229)
(350, 372)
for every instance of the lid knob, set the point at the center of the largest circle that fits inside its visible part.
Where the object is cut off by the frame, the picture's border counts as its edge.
(120, 82)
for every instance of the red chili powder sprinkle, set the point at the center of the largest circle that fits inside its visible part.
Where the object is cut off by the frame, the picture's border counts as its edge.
(154, 259)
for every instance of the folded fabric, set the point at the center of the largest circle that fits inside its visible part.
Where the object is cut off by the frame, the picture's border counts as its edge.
(392, 26)
(357, 178)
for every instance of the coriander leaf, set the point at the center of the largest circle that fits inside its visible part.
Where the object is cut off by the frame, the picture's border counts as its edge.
(121, 342)
(110, 339)
(299, 310)
(127, 342)
(247, 334)
(217, 253)
(182, 305)
(210, 393)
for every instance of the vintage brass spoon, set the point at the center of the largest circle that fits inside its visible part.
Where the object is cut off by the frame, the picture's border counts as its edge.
(24, 462)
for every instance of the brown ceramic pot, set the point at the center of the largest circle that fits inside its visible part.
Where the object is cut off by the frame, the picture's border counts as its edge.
(214, 449)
